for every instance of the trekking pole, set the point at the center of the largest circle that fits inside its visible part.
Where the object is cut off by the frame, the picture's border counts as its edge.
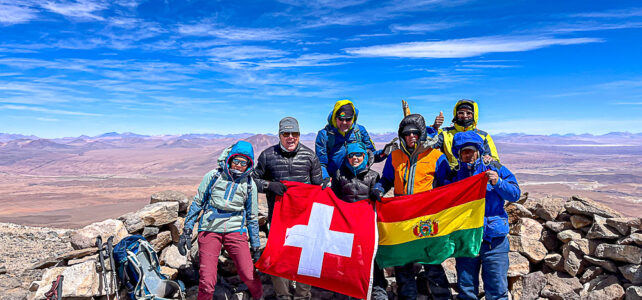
(59, 288)
(101, 258)
(110, 252)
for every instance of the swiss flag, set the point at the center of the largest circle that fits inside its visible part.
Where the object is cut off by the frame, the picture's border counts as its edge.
(318, 239)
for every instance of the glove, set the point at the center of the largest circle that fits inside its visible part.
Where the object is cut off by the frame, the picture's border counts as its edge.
(255, 254)
(185, 242)
(326, 183)
(277, 188)
(376, 194)
(389, 147)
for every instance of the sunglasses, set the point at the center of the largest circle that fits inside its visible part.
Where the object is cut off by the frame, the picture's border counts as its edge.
(290, 134)
(356, 154)
(345, 119)
(411, 132)
(239, 162)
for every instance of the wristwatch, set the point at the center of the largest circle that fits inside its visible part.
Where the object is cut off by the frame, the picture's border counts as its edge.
(265, 185)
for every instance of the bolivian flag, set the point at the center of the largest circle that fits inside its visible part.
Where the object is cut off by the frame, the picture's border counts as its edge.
(431, 226)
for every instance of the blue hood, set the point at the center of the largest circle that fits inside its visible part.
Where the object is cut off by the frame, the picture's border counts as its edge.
(357, 148)
(466, 138)
(240, 148)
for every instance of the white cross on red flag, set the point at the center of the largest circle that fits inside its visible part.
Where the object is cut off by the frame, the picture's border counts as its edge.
(318, 239)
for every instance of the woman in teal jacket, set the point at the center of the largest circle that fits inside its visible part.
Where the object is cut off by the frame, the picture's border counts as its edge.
(228, 204)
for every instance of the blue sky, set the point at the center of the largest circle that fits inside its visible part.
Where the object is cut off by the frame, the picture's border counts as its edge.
(170, 67)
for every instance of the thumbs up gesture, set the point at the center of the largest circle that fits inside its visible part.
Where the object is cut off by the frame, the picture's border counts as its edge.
(439, 120)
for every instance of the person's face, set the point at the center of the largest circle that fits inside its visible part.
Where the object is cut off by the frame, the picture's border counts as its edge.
(355, 159)
(411, 138)
(469, 155)
(289, 140)
(344, 124)
(464, 114)
(239, 163)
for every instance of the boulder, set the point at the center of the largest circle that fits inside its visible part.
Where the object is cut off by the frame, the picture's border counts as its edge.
(632, 273)
(604, 287)
(634, 293)
(171, 258)
(159, 213)
(534, 250)
(623, 253)
(572, 258)
(568, 235)
(132, 222)
(518, 264)
(587, 207)
(550, 240)
(161, 240)
(517, 211)
(623, 225)
(171, 196)
(605, 264)
(561, 286)
(554, 261)
(579, 221)
(86, 236)
(599, 230)
(533, 285)
(550, 208)
(558, 226)
(590, 273)
(81, 280)
(527, 228)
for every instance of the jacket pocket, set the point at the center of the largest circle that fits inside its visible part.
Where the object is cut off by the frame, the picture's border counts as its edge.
(496, 226)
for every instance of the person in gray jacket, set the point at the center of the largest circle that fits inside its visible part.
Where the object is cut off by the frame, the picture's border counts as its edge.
(288, 160)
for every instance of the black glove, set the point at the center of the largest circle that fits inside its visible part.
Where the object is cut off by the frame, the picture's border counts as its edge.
(376, 194)
(326, 183)
(185, 242)
(255, 254)
(389, 147)
(277, 188)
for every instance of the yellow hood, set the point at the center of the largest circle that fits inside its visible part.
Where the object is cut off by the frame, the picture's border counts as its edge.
(475, 114)
(333, 116)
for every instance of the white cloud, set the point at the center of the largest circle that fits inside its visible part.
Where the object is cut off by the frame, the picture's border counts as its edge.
(324, 3)
(620, 13)
(236, 53)
(306, 60)
(16, 13)
(79, 9)
(234, 33)
(592, 26)
(468, 47)
(543, 126)
(45, 110)
(422, 28)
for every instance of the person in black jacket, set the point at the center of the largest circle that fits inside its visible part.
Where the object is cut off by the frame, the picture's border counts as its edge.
(353, 182)
(292, 161)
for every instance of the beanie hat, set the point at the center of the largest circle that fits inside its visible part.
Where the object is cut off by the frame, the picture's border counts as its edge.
(345, 111)
(288, 124)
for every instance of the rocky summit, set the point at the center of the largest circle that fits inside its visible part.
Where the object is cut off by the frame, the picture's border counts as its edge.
(560, 249)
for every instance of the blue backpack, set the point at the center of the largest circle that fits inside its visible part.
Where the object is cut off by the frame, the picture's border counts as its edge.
(138, 269)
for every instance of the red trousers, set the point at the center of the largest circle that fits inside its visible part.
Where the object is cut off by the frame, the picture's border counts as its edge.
(236, 245)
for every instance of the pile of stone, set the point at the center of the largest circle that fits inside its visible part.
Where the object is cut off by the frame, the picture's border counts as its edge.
(573, 249)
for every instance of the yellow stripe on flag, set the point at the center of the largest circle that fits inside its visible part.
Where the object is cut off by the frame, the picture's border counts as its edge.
(466, 216)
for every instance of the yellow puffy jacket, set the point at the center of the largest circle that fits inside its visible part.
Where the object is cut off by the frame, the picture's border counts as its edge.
(447, 134)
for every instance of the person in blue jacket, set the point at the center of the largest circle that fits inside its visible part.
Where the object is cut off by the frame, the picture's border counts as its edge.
(342, 129)
(493, 255)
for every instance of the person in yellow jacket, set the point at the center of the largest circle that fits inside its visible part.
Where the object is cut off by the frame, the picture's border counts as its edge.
(466, 115)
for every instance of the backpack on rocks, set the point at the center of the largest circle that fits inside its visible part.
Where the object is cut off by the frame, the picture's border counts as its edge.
(139, 271)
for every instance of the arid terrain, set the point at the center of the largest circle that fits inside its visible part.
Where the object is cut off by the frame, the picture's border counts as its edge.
(72, 182)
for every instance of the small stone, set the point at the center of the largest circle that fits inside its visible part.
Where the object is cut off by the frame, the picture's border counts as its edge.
(550, 208)
(86, 236)
(159, 213)
(550, 240)
(579, 221)
(451, 271)
(554, 261)
(176, 229)
(623, 225)
(150, 231)
(569, 234)
(533, 285)
(170, 272)
(561, 286)
(517, 211)
(518, 264)
(527, 228)
(605, 264)
(600, 230)
(623, 253)
(534, 250)
(632, 273)
(161, 240)
(590, 273)
(589, 207)
(634, 293)
(558, 226)
(132, 221)
(603, 287)
(171, 196)
(572, 258)
(637, 238)
(171, 258)
(3, 270)
(515, 287)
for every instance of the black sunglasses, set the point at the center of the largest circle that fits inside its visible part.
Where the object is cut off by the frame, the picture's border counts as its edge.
(409, 132)
(345, 119)
(357, 154)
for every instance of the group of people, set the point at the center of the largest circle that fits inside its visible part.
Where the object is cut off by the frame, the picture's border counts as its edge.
(424, 158)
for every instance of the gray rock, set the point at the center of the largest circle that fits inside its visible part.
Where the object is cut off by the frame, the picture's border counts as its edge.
(533, 285)
(171, 196)
(634, 293)
(171, 258)
(555, 261)
(3, 270)
(52, 261)
(579, 221)
(599, 230)
(632, 273)
(86, 236)
(623, 225)
(558, 226)
(81, 280)
(518, 265)
(550, 208)
(589, 207)
(605, 264)
(517, 211)
(590, 273)
(603, 287)
(637, 238)
(572, 258)
(623, 253)
(569, 234)
(176, 229)
(527, 228)
(150, 231)
(515, 287)
(550, 240)
(161, 240)
(581, 244)
(159, 213)
(132, 222)
(561, 286)
(534, 250)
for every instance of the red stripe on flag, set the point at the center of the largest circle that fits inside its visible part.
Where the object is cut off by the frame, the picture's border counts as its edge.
(408, 207)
